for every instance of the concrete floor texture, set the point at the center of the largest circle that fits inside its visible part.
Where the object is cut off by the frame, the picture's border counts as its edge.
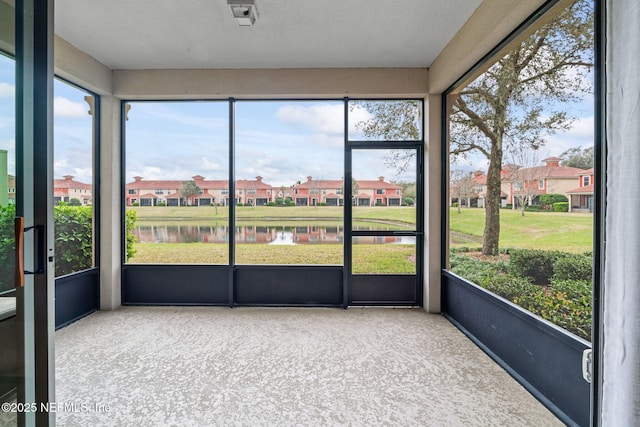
(206, 366)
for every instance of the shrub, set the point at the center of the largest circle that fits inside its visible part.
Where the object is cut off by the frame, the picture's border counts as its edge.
(73, 238)
(7, 247)
(271, 204)
(135, 204)
(322, 204)
(533, 208)
(567, 303)
(75, 202)
(508, 206)
(130, 223)
(164, 204)
(291, 202)
(561, 207)
(550, 199)
(474, 270)
(509, 287)
(535, 265)
(573, 267)
(409, 202)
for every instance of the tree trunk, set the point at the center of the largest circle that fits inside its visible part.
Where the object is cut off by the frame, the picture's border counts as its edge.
(492, 204)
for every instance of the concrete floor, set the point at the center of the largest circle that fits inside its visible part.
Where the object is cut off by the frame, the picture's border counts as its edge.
(179, 366)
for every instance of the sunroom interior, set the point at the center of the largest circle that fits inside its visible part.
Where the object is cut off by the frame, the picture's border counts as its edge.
(345, 56)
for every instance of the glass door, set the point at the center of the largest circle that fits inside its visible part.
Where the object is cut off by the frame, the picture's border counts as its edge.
(386, 230)
(26, 215)
(384, 208)
(8, 321)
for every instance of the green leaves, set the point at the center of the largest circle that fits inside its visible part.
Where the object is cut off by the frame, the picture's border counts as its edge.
(7, 247)
(564, 300)
(73, 241)
(73, 234)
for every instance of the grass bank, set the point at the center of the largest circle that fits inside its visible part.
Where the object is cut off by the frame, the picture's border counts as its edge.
(404, 214)
(367, 258)
(569, 232)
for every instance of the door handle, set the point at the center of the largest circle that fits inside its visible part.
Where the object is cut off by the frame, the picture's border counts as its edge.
(19, 255)
(19, 264)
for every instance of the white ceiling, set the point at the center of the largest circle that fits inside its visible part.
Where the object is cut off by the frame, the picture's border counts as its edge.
(157, 34)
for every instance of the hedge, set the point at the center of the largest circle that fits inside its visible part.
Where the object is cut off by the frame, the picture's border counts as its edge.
(561, 207)
(534, 265)
(73, 240)
(564, 299)
(7, 247)
(550, 199)
(73, 234)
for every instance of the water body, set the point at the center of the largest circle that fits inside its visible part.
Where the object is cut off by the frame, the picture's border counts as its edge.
(303, 233)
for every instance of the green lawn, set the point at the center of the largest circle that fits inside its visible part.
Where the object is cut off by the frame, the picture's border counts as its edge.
(564, 231)
(367, 258)
(570, 232)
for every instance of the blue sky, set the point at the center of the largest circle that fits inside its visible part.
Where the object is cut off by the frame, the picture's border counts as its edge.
(283, 142)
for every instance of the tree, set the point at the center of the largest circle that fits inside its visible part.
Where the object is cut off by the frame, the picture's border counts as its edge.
(461, 185)
(188, 190)
(399, 120)
(525, 179)
(354, 188)
(523, 98)
(578, 157)
(408, 188)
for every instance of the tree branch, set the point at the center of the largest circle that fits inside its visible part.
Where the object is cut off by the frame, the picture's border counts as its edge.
(477, 120)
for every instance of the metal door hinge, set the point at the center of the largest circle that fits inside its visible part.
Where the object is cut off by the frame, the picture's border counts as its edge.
(587, 365)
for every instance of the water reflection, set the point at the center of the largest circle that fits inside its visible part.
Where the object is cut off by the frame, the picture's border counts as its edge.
(272, 235)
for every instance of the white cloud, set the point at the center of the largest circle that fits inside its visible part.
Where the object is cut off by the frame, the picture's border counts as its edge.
(64, 107)
(7, 90)
(324, 118)
(581, 134)
(207, 164)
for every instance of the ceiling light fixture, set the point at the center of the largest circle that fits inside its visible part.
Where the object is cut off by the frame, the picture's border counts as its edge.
(244, 11)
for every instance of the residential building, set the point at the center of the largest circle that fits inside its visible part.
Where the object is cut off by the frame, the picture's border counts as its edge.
(12, 189)
(168, 192)
(258, 193)
(581, 198)
(377, 193)
(313, 192)
(532, 182)
(253, 192)
(66, 189)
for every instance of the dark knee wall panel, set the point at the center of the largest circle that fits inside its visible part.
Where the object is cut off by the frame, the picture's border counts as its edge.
(288, 285)
(77, 295)
(544, 358)
(175, 284)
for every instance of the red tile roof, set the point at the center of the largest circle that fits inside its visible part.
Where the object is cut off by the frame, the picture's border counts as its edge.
(541, 172)
(367, 184)
(242, 184)
(589, 189)
(586, 172)
(322, 183)
(69, 182)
